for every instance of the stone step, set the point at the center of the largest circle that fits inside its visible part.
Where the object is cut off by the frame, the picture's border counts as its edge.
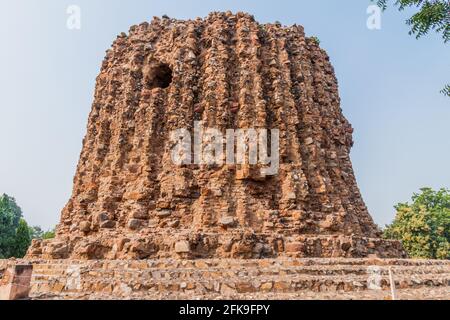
(109, 270)
(207, 274)
(416, 293)
(230, 278)
(141, 276)
(248, 284)
(239, 263)
(334, 282)
(422, 293)
(127, 288)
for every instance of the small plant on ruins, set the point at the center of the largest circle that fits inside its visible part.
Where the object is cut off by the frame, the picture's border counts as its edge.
(50, 234)
(36, 232)
(424, 225)
(316, 40)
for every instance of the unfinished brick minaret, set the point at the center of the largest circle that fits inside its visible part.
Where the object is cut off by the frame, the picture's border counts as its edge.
(130, 200)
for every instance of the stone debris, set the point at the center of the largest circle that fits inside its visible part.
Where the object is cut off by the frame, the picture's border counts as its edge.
(182, 247)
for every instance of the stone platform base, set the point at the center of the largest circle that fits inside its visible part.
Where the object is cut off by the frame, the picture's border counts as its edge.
(283, 278)
(196, 245)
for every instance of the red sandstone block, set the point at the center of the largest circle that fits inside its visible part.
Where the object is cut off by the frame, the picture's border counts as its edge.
(15, 283)
(294, 247)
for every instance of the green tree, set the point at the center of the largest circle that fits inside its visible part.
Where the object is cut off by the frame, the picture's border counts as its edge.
(22, 239)
(431, 15)
(424, 225)
(50, 234)
(36, 232)
(10, 215)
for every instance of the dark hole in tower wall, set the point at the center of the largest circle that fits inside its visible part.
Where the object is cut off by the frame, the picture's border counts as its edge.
(159, 76)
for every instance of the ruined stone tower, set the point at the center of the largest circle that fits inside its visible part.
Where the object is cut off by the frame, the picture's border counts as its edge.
(130, 200)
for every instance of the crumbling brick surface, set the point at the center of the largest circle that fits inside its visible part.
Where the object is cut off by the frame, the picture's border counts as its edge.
(130, 201)
(280, 278)
(15, 279)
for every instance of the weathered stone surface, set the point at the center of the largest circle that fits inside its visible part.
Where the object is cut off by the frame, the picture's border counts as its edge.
(135, 224)
(230, 72)
(227, 221)
(182, 247)
(85, 226)
(15, 280)
(281, 278)
(164, 213)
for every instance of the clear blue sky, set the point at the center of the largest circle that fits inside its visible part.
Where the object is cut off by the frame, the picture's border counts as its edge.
(389, 85)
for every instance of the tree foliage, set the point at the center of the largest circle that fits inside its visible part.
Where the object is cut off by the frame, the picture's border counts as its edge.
(10, 215)
(22, 239)
(424, 225)
(36, 232)
(432, 15)
(15, 234)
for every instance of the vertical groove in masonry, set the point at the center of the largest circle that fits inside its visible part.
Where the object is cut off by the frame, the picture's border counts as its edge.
(131, 201)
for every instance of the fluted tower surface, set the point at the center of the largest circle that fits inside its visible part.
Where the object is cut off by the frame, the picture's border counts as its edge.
(227, 71)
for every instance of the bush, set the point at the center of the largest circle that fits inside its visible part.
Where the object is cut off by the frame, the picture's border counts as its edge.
(424, 225)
